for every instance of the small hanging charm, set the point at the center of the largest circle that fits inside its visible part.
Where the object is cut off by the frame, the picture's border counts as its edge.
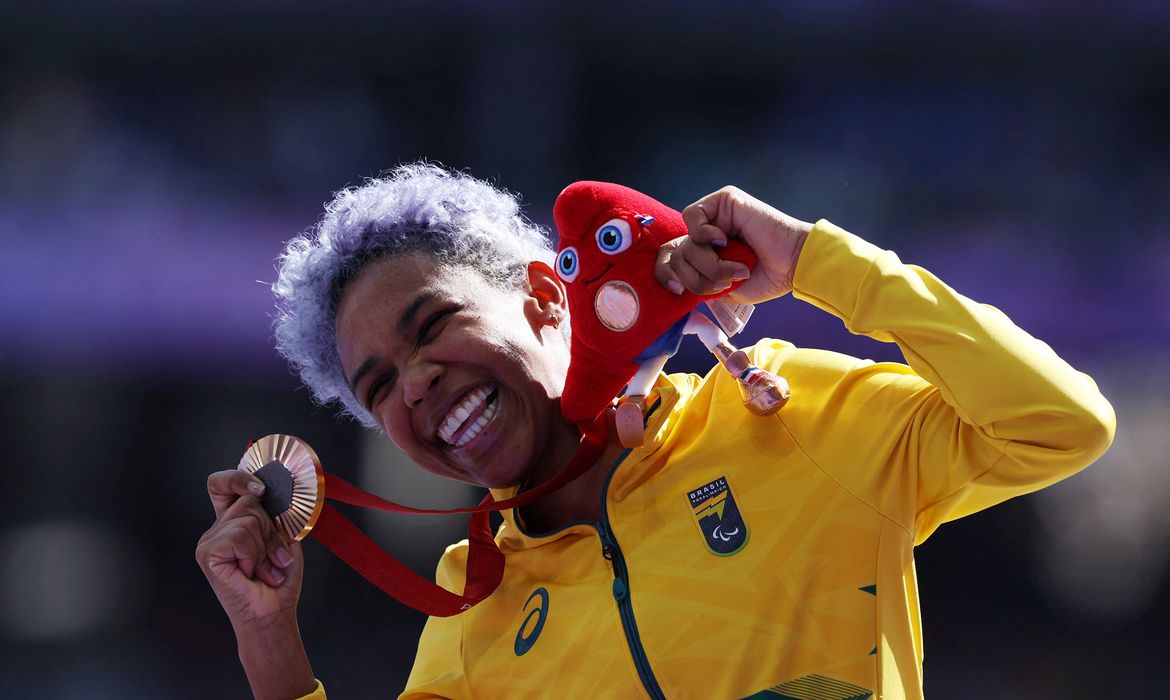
(763, 393)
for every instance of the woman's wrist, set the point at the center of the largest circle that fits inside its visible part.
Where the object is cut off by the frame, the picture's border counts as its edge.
(275, 661)
(792, 242)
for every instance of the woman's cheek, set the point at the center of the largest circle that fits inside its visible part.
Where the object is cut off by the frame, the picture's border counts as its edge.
(397, 427)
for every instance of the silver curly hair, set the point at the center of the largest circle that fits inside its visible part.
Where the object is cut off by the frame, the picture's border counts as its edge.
(418, 207)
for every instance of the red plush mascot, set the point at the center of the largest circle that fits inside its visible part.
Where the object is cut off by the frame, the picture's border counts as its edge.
(625, 325)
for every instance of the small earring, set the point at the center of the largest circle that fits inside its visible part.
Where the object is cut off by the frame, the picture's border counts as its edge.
(554, 320)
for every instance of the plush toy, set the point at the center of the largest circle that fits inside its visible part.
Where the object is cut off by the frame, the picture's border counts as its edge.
(625, 324)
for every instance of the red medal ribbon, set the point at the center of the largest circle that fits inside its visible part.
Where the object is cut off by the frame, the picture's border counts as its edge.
(485, 561)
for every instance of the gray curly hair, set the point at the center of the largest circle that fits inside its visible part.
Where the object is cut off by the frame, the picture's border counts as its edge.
(419, 207)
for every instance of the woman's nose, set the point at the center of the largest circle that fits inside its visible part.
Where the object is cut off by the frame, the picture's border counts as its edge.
(419, 379)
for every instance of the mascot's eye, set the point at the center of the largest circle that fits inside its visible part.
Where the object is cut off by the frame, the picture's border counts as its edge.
(614, 236)
(567, 267)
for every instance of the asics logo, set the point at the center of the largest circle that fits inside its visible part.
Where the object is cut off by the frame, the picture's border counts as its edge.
(525, 641)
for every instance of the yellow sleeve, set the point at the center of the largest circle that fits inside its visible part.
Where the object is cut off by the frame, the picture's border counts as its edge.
(318, 694)
(438, 664)
(983, 413)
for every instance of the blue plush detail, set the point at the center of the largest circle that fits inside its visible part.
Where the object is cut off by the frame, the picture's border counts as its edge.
(619, 239)
(665, 344)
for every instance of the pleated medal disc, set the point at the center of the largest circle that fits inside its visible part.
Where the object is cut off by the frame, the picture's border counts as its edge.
(294, 482)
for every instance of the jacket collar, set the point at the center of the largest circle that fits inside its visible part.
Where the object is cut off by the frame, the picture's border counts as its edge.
(665, 400)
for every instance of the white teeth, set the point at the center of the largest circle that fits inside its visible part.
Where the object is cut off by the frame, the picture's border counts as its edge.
(475, 428)
(460, 413)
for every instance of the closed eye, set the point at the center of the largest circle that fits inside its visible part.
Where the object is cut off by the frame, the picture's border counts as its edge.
(428, 330)
(381, 381)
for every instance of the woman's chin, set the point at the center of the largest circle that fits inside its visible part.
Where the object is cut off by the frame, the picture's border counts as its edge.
(502, 479)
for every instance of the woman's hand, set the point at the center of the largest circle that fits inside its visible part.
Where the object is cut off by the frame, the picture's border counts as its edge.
(257, 578)
(692, 263)
(255, 575)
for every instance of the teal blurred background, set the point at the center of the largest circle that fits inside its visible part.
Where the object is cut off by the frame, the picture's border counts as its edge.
(154, 157)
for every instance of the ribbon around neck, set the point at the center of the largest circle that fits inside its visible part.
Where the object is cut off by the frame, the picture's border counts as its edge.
(485, 561)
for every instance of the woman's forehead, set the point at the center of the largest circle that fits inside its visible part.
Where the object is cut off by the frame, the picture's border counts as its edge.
(389, 296)
(405, 276)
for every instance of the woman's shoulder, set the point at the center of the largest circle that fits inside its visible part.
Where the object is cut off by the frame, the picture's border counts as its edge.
(766, 353)
(805, 369)
(452, 568)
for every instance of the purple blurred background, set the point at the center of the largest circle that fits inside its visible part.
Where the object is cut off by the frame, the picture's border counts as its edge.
(154, 157)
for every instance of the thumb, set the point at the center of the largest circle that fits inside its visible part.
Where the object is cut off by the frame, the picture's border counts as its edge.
(662, 269)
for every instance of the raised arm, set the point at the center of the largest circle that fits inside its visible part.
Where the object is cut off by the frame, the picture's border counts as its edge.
(983, 412)
(257, 579)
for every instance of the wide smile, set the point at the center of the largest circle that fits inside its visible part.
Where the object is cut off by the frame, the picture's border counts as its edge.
(468, 416)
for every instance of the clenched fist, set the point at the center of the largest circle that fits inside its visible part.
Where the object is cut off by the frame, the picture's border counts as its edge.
(691, 263)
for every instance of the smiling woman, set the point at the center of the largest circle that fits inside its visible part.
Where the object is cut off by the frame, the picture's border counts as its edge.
(731, 554)
(463, 375)
(453, 218)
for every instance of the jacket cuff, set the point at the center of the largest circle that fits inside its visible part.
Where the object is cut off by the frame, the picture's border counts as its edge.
(318, 694)
(831, 267)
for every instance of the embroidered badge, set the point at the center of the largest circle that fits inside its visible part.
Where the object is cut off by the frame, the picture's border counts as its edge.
(718, 517)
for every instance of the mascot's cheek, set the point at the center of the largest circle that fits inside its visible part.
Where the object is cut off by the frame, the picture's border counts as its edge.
(616, 305)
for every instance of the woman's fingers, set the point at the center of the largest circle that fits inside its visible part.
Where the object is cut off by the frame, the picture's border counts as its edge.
(775, 237)
(685, 265)
(282, 562)
(274, 556)
(662, 270)
(227, 486)
(270, 574)
(692, 278)
(701, 230)
(254, 573)
(245, 533)
(710, 219)
(713, 268)
(278, 560)
(230, 546)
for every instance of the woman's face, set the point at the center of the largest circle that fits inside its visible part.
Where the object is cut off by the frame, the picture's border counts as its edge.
(463, 376)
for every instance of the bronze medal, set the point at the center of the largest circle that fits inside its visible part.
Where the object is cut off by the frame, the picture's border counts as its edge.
(294, 482)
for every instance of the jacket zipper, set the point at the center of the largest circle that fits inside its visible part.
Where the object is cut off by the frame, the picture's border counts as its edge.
(621, 587)
(621, 582)
(621, 593)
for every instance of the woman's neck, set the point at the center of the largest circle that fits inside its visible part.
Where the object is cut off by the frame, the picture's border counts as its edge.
(578, 500)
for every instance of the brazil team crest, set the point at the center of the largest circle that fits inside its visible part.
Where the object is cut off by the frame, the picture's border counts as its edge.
(718, 517)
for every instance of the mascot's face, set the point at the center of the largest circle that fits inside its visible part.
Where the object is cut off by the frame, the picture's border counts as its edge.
(607, 264)
(610, 236)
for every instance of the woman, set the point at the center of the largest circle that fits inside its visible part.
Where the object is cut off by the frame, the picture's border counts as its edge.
(424, 303)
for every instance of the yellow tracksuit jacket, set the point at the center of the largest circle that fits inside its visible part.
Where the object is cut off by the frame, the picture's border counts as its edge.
(740, 556)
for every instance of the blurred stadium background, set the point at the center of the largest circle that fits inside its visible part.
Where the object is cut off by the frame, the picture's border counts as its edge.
(154, 157)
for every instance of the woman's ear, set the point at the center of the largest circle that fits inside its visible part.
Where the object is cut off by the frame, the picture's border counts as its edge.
(547, 304)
